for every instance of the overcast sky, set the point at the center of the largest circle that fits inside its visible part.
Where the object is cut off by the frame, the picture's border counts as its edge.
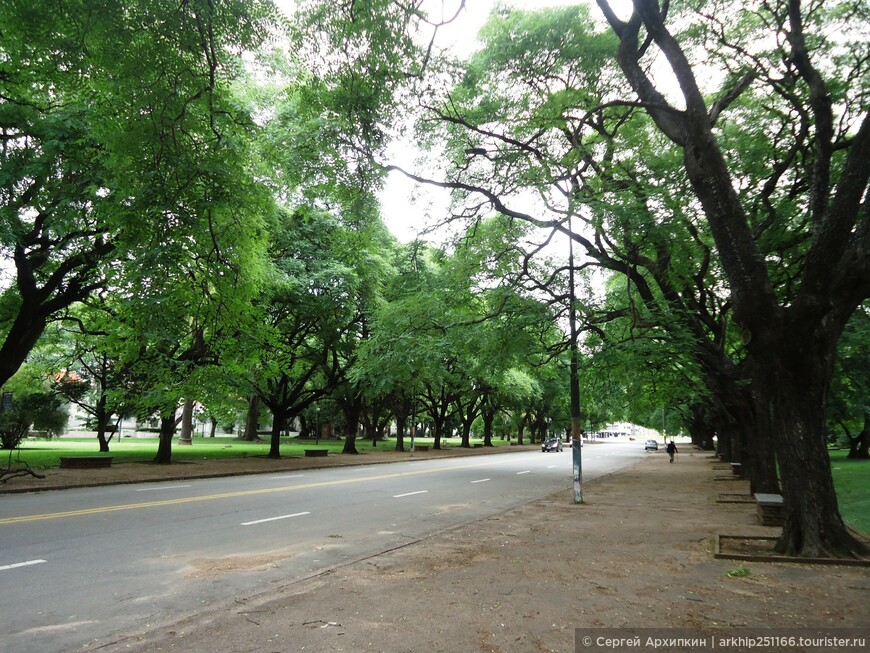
(406, 208)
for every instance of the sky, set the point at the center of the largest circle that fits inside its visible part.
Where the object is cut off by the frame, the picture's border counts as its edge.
(407, 207)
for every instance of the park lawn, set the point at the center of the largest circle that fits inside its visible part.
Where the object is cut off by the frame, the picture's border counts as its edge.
(852, 482)
(45, 454)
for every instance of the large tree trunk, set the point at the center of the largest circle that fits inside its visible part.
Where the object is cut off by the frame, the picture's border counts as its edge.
(438, 432)
(164, 446)
(796, 403)
(253, 419)
(103, 419)
(401, 423)
(352, 407)
(20, 341)
(466, 434)
(488, 415)
(185, 437)
(279, 417)
(760, 445)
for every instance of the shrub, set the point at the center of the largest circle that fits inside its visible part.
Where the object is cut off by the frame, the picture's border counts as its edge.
(44, 410)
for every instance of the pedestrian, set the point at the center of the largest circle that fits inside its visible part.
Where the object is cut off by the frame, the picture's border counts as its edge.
(671, 449)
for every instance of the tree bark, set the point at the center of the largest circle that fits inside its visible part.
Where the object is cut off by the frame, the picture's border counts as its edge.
(796, 403)
(185, 437)
(793, 341)
(103, 419)
(352, 407)
(488, 415)
(253, 419)
(279, 417)
(167, 432)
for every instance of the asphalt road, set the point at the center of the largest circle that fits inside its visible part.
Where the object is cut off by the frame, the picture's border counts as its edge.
(79, 568)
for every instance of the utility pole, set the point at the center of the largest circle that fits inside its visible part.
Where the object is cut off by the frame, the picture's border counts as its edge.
(576, 437)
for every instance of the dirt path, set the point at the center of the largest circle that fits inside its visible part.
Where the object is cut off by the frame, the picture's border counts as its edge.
(638, 553)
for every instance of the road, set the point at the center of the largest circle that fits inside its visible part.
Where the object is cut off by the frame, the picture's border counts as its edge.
(80, 568)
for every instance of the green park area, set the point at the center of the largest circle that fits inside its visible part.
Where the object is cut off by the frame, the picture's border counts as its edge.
(46, 454)
(250, 237)
(199, 225)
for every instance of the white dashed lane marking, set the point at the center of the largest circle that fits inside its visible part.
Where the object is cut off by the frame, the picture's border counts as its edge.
(409, 494)
(16, 565)
(263, 521)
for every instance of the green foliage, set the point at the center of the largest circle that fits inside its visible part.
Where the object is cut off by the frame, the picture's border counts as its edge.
(122, 136)
(739, 572)
(849, 405)
(35, 405)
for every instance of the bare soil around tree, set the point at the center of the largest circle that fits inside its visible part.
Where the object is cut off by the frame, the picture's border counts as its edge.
(637, 553)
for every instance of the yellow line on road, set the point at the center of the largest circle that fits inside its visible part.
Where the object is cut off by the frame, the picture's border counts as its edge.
(225, 495)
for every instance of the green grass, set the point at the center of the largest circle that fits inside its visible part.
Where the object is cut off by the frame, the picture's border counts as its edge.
(739, 572)
(852, 481)
(46, 454)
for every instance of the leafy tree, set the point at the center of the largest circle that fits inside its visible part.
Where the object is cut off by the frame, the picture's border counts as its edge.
(363, 248)
(780, 223)
(389, 365)
(114, 125)
(808, 198)
(86, 373)
(34, 405)
(304, 310)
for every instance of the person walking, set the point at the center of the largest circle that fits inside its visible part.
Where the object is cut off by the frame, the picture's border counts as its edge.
(671, 449)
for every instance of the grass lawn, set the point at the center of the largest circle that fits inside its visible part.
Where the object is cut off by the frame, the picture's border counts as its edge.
(45, 454)
(852, 481)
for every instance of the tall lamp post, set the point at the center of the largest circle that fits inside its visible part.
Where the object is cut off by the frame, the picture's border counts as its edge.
(576, 438)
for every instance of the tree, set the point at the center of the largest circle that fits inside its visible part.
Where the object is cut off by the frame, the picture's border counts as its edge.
(780, 223)
(34, 405)
(85, 371)
(304, 311)
(813, 189)
(110, 125)
(848, 410)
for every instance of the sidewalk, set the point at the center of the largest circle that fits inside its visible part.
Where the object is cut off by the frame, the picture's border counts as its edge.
(638, 553)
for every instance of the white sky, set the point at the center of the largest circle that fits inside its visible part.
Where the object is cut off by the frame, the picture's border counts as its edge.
(406, 207)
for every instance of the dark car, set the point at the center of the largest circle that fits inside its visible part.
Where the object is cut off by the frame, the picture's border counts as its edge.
(551, 444)
(651, 445)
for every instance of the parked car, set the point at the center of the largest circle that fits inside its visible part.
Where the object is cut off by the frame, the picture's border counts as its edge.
(551, 444)
(650, 445)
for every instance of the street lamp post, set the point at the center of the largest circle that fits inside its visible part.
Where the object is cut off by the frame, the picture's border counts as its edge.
(576, 438)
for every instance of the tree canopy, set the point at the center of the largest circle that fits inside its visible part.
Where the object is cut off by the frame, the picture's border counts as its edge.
(193, 187)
